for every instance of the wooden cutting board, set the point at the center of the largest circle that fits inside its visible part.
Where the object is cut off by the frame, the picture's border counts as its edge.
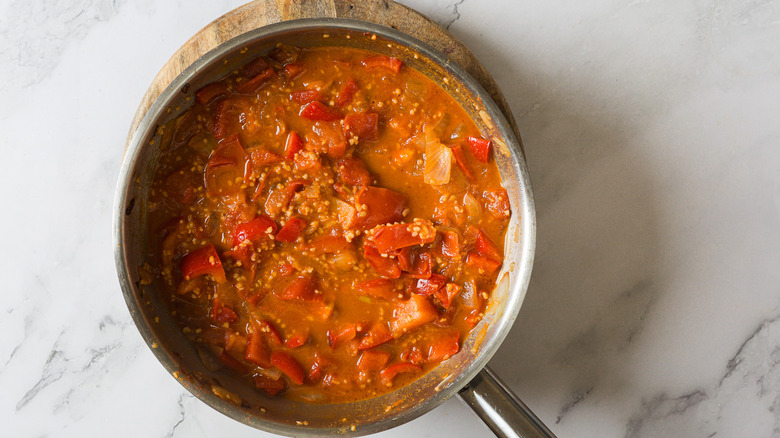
(263, 12)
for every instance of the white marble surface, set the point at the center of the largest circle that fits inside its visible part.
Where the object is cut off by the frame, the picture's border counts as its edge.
(652, 130)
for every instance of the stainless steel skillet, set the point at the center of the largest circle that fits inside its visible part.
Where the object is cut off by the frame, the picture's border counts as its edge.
(463, 373)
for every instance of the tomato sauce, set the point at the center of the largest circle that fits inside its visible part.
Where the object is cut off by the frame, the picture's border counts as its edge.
(328, 222)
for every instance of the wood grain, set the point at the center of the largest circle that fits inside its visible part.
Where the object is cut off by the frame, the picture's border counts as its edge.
(263, 12)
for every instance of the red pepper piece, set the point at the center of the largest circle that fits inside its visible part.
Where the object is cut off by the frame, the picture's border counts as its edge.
(292, 145)
(257, 350)
(259, 229)
(382, 206)
(271, 334)
(373, 360)
(353, 171)
(377, 335)
(201, 262)
(347, 92)
(388, 238)
(386, 62)
(269, 385)
(341, 335)
(301, 288)
(328, 244)
(297, 339)
(292, 70)
(306, 96)
(222, 314)
(387, 267)
(319, 111)
(388, 374)
(291, 230)
(414, 312)
(417, 264)
(253, 84)
(480, 262)
(497, 203)
(450, 243)
(431, 285)
(446, 294)
(211, 92)
(486, 247)
(480, 148)
(232, 363)
(364, 126)
(460, 160)
(444, 347)
(288, 365)
(261, 157)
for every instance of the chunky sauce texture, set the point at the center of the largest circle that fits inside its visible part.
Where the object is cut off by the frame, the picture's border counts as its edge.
(328, 222)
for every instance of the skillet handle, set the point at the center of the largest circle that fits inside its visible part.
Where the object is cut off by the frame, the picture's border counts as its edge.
(501, 410)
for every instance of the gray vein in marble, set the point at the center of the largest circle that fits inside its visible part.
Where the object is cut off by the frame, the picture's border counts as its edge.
(37, 34)
(53, 370)
(455, 15)
(576, 398)
(180, 420)
(753, 371)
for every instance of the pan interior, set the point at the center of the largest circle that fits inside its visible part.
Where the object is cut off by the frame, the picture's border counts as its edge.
(197, 370)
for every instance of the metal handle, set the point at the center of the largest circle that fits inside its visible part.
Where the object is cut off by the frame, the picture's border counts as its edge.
(501, 410)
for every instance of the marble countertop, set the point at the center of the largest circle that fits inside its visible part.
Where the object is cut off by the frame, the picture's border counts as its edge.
(652, 134)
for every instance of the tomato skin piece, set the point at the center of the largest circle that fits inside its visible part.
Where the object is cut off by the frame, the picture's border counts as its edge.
(480, 262)
(291, 230)
(347, 92)
(226, 164)
(387, 267)
(269, 385)
(353, 171)
(255, 67)
(382, 206)
(257, 350)
(373, 360)
(292, 145)
(388, 374)
(270, 333)
(306, 96)
(389, 238)
(480, 148)
(447, 294)
(319, 111)
(379, 287)
(210, 92)
(288, 365)
(301, 288)
(390, 63)
(364, 126)
(412, 313)
(377, 335)
(260, 229)
(444, 347)
(201, 262)
(431, 285)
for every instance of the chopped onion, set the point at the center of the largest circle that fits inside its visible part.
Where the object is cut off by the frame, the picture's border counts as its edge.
(271, 373)
(472, 207)
(438, 163)
(347, 213)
